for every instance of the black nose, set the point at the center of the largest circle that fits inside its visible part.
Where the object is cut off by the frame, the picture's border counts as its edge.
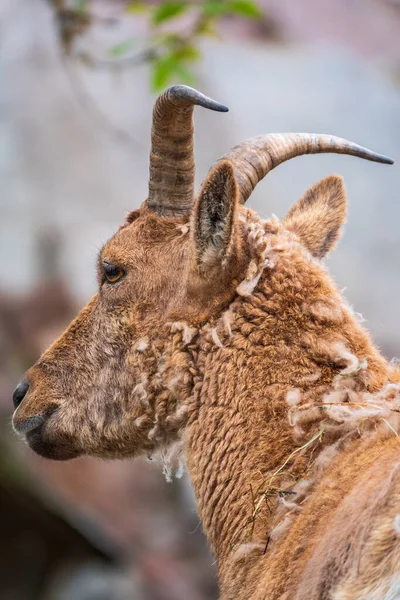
(20, 393)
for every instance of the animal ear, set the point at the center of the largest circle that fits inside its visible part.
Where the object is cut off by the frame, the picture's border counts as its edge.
(213, 219)
(318, 216)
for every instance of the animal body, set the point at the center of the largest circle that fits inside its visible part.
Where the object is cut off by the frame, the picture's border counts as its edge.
(223, 333)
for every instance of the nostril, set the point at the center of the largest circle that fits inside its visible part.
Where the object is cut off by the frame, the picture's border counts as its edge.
(20, 392)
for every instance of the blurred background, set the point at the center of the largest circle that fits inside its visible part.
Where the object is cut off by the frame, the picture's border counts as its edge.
(77, 85)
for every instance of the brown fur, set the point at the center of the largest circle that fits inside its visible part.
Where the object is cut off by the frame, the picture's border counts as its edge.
(324, 206)
(227, 334)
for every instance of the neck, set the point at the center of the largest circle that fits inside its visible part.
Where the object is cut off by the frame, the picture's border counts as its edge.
(286, 341)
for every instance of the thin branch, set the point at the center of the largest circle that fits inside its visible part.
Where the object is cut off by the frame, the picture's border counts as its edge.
(279, 471)
(90, 107)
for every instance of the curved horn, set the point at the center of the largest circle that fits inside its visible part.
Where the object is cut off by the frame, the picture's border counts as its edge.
(253, 159)
(171, 182)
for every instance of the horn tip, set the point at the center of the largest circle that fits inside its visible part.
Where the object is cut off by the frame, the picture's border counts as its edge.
(381, 158)
(186, 93)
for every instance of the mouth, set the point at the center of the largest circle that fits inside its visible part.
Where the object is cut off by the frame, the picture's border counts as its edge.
(61, 450)
(42, 437)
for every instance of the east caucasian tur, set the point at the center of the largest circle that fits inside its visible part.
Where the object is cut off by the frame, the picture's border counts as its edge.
(223, 335)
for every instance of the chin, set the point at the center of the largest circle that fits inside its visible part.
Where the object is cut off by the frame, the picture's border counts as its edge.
(60, 450)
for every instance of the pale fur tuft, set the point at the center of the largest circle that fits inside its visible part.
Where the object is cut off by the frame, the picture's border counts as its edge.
(293, 397)
(227, 319)
(247, 286)
(340, 352)
(188, 333)
(215, 337)
(326, 311)
(181, 468)
(142, 345)
(140, 391)
(171, 460)
(396, 524)
(250, 548)
(281, 528)
(177, 417)
(142, 420)
(263, 252)
(184, 229)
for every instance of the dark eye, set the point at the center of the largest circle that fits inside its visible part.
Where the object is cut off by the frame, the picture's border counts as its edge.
(112, 273)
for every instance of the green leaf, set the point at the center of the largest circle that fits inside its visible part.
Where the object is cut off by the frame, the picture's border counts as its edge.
(188, 53)
(185, 75)
(163, 69)
(121, 48)
(167, 10)
(168, 39)
(215, 8)
(246, 8)
(173, 64)
(135, 8)
(207, 28)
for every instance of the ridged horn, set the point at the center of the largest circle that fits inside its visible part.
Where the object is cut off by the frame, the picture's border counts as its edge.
(253, 159)
(171, 181)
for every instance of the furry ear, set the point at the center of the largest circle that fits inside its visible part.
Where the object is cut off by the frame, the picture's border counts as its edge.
(317, 218)
(213, 217)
